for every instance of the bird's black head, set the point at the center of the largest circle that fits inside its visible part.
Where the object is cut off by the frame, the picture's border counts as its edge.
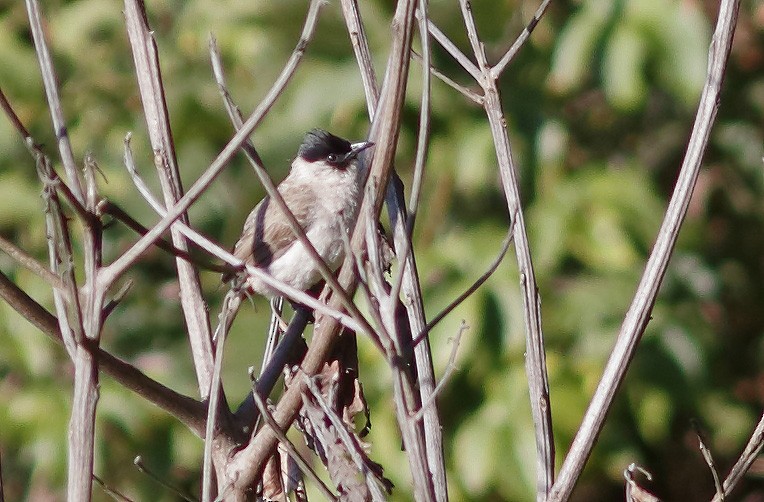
(320, 145)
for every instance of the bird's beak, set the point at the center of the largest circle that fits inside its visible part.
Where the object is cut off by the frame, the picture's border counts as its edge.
(357, 148)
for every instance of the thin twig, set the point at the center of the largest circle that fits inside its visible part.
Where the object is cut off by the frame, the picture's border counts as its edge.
(291, 449)
(450, 367)
(498, 69)
(50, 82)
(138, 462)
(474, 287)
(28, 262)
(215, 391)
(464, 91)
(13, 117)
(638, 314)
(117, 298)
(454, 51)
(709, 460)
(362, 53)
(151, 88)
(111, 492)
(752, 450)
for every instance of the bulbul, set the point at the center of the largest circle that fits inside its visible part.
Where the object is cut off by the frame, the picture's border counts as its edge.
(323, 191)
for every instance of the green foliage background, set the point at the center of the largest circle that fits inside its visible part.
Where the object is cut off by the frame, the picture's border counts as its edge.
(599, 104)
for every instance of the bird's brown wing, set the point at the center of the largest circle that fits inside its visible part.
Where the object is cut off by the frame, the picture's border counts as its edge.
(267, 234)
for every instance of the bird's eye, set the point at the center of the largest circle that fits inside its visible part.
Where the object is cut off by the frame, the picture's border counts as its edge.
(331, 157)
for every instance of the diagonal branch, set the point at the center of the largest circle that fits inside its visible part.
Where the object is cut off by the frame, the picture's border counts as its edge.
(28, 262)
(188, 411)
(157, 119)
(638, 314)
(750, 453)
(499, 68)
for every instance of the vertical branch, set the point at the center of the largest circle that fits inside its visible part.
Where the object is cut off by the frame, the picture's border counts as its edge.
(402, 226)
(84, 319)
(60, 259)
(535, 361)
(638, 314)
(155, 109)
(362, 54)
(50, 83)
(82, 419)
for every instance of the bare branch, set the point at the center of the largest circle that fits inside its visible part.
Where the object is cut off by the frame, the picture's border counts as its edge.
(474, 287)
(750, 453)
(28, 262)
(446, 374)
(111, 492)
(464, 91)
(454, 51)
(214, 408)
(498, 69)
(138, 462)
(50, 83)
(188, 411)
(709, 461)
(362, 53)
(638, 314)
(423, 142)
(535, 362)
(291, 449)
(151, 89)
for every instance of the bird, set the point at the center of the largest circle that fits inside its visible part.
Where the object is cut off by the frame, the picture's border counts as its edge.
(323, 191)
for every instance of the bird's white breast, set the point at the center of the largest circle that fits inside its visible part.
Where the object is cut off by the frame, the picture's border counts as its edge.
(337, 193)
